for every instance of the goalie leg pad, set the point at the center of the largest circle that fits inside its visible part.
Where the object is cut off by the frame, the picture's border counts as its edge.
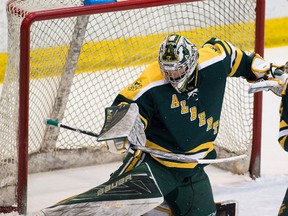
(161, 210)
(129, 194)
(225, 208)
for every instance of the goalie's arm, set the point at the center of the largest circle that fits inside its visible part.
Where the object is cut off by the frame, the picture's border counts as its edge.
(251, 67)
(140, 92)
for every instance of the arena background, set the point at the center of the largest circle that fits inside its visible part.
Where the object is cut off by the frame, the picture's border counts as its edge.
(276, 29)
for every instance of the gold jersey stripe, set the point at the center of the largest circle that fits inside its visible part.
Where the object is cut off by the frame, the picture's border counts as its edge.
(236, 64)
(283, 124)
(282, 141)
(208, 147)
(147, 79)
(137, 157)
(175, 164)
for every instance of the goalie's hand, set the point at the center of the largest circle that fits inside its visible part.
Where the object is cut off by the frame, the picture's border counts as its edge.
(118, 146)
(275, 82)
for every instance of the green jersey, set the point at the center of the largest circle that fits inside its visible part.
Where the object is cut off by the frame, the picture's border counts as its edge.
(283, 129)
(187, 123)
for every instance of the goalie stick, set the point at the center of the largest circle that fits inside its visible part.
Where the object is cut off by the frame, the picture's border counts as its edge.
(155, 152)
(263, 85)
(273, 84)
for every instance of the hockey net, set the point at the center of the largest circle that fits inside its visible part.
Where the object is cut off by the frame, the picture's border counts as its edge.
(67, 62)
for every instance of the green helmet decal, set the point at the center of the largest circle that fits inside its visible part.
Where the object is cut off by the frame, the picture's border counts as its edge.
(170, 53)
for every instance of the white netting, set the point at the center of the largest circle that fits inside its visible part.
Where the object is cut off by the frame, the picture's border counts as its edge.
(116, 47)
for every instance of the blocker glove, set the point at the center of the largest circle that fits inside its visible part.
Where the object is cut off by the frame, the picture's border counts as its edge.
(136, 137)
(270, 76)
(123, 127)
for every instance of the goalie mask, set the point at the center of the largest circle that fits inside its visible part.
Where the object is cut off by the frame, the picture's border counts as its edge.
(178, 59)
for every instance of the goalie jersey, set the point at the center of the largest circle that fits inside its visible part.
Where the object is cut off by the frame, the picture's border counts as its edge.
(187, 123)
(283, 127)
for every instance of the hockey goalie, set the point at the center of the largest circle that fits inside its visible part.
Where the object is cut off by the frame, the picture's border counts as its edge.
(129, 193)
(165, 123)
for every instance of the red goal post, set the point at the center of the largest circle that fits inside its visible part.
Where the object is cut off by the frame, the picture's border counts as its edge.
(68, 61)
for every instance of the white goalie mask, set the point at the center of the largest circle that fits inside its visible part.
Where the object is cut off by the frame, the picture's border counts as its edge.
(178, 59)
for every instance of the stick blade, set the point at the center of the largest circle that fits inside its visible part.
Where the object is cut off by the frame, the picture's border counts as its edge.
(263, 86)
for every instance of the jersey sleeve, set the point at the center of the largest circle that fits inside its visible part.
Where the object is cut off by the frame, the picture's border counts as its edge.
(237, 63)
(139, 92)
(145, 104)
(283, 126)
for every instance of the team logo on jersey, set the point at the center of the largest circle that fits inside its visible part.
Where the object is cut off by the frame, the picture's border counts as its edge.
(214, 48)
(136, 85)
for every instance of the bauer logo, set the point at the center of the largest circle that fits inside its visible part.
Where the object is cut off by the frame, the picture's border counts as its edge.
(135, 86)
(114, 185)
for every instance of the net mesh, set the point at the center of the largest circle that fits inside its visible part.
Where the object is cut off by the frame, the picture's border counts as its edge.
(114, 50)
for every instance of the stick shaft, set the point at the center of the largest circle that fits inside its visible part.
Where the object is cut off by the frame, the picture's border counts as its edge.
(157, 153)
(187, 158)
(58, 124)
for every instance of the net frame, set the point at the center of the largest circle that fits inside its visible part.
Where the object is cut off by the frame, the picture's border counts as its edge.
(83, 11)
